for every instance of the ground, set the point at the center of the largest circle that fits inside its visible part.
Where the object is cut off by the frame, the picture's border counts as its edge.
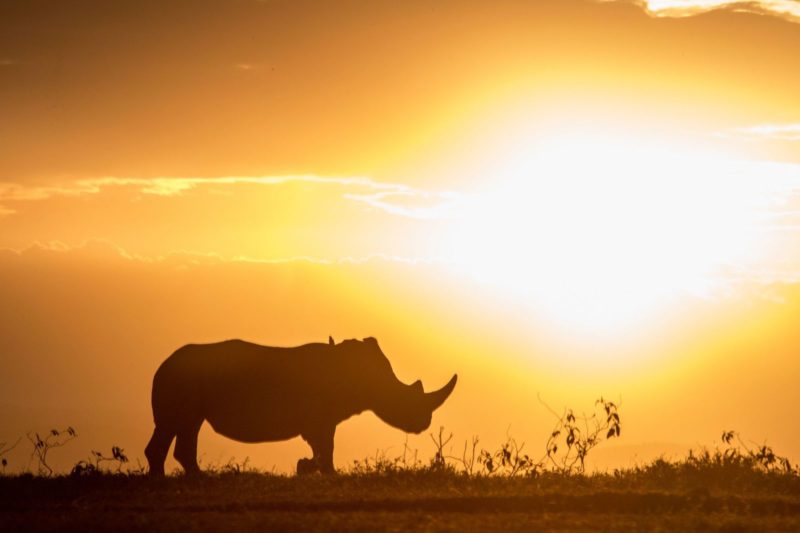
(399, 501)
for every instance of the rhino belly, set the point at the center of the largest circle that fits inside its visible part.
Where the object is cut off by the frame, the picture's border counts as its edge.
(248, 432)
(254, 419)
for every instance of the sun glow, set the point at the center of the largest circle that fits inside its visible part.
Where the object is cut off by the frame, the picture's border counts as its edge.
(600, 231)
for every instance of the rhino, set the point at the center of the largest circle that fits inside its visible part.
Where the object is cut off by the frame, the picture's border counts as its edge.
(253, 393)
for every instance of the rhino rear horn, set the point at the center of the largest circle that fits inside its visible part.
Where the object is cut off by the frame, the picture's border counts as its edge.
(437, 398)
(330, 340)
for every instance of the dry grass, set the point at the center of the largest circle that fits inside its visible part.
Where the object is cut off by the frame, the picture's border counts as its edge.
(709, 493)
(730, 488)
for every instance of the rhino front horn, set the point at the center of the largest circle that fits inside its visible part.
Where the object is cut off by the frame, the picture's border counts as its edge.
(437, 398)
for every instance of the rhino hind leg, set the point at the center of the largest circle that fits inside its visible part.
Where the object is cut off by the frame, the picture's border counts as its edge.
(306, 466)
(186, 446)
(157, 449)
(321, 442)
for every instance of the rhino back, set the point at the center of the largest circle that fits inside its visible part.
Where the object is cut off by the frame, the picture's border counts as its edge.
(251, 392)
(240, 365)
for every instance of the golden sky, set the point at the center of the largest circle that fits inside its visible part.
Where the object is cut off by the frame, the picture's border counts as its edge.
(558, 197)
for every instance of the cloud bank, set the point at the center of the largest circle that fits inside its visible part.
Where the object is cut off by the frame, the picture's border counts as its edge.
(355, 219)
(786, 9)
(378, 195)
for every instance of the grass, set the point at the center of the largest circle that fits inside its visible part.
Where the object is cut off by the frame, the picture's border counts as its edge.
(708, 492)
(732, 488)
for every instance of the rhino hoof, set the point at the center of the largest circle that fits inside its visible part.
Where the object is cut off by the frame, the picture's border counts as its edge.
(306, 467)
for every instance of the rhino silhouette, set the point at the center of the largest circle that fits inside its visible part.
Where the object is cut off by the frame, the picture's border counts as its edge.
(254, 393)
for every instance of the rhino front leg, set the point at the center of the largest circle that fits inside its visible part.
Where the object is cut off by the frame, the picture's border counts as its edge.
(321, 442)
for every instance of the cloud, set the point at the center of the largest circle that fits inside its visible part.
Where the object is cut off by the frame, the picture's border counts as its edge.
(102, 249)
(96, 248)
(775, 132)
(442, 203)
(786, 9)
(379, 194)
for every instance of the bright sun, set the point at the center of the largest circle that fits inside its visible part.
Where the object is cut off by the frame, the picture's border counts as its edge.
(600, 231)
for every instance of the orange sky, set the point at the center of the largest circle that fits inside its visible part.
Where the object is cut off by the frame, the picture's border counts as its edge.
(566, 198)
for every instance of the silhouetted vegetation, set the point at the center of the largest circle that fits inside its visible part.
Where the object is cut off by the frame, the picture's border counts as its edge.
(730, 486)
(5, 447)
(564, 455)
(42, 446)
(95, 465)
(565, 451)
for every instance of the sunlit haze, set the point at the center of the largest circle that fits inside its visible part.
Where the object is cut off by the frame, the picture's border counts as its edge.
(554, 199)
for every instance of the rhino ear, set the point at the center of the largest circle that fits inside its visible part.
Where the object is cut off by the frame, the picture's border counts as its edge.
(330, 340)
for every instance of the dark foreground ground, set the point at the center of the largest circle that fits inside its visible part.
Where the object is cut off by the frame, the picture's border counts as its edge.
(669, 500)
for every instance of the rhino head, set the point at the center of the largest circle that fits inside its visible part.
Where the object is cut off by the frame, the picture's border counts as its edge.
(406, 407)
(412, 408)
